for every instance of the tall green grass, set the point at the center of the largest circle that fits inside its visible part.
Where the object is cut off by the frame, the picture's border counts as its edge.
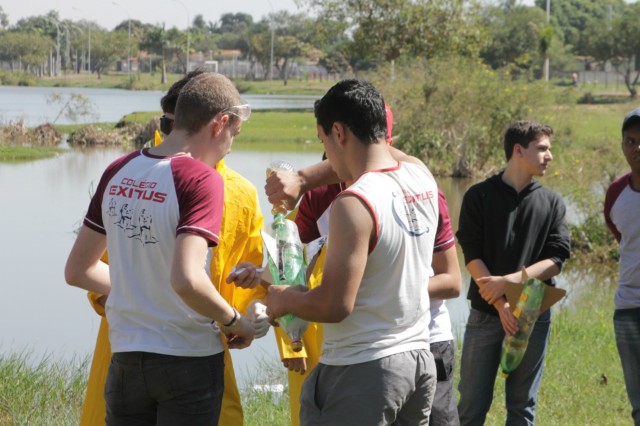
(44, 392)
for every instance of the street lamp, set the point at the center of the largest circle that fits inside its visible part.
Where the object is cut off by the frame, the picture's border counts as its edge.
(129, 41)
(188, 32)
(271, 24)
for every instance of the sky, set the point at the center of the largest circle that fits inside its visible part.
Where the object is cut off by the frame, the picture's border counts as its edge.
(109, 13)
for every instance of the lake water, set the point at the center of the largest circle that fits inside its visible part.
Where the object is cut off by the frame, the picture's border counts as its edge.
(110, 105)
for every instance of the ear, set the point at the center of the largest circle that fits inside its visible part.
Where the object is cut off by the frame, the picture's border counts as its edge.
(217, 125)
(517, 150)
(340, 132)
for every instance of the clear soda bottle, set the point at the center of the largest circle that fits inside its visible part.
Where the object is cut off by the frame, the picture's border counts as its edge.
(527, 311)
(290, 266)
(276, 166)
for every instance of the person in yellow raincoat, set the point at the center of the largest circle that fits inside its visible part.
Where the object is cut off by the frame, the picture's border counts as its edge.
(240, 241)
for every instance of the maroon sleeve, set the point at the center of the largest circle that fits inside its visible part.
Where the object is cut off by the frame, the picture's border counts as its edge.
(93, 218)
(444, 234)
(200, 192)
(610, 198)
(312, 206)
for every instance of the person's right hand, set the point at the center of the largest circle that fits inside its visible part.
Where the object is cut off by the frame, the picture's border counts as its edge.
(239, 335)
(295, 364)
(508, 320)
(284, 186)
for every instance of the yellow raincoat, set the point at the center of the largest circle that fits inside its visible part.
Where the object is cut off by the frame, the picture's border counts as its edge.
(240, 241)
(312, 340)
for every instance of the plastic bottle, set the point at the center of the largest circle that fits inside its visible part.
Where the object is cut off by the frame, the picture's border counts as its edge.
(527, 311)
(279, 165)
(290, 266)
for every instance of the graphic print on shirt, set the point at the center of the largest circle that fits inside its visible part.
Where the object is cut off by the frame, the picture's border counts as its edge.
(140, 229)
(404, 212)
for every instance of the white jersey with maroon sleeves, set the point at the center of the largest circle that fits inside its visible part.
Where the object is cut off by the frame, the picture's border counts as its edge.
(391, 311)
(142, 203)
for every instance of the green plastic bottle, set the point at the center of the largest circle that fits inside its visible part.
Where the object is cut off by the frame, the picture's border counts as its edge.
(290, 266)
(527, 311)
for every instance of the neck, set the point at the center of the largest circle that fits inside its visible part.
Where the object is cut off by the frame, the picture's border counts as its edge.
(515, 178)
(179, 142)
(369, 157)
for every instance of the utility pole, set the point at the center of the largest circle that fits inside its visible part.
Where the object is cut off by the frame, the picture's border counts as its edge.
(546, 58)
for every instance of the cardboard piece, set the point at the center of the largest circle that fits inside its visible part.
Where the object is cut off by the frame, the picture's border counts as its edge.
(551, 294)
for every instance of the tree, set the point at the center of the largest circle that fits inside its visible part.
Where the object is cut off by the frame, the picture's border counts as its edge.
(619, 43)
(519, 38)
(154, 40)
(4, 19)
(29, 50)
(573, 18)
(384, 30)
(106, 48)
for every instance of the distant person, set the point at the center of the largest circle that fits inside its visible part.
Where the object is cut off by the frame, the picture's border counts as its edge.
(161, 307)
(507, 222)
(240, 232)
(375, 367)
(574, 79)
(621, 207)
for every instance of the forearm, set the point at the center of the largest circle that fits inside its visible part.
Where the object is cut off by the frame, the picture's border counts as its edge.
(447, 280)
(442, 287)
(314, 305)
(477, 269)
(542, 270)
(201, 296)
(317, 175)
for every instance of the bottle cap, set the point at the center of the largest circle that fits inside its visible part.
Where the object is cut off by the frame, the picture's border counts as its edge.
(297, 345)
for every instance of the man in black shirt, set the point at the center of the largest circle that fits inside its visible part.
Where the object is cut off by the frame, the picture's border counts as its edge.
(506, 222)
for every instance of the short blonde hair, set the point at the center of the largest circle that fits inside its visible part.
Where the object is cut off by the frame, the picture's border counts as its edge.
(202, 98)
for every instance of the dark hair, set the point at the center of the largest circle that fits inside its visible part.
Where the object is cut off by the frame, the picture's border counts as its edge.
(202, 98)
(522, 133)
(169, 100)
(358, 105)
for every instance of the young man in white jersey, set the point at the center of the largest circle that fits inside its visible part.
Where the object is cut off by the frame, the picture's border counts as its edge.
(621, 207)
(375, 367)
(167, 363)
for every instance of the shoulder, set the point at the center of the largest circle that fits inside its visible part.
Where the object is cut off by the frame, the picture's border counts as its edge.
(189, 172)
(618, 185)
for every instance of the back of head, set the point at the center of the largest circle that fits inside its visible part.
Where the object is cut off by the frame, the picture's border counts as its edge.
(522, 133)
(169, 100)
(358, 105)
(202, 98)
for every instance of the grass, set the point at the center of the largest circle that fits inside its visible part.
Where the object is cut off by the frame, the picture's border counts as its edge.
(18, 153)
(46, 392)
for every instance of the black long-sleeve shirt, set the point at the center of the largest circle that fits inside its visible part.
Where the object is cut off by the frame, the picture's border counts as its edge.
(508, 230)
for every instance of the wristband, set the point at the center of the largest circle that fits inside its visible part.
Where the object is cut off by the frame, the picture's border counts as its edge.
(236, 315)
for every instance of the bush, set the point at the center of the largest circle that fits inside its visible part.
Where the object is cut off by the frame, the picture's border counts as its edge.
(452, 112)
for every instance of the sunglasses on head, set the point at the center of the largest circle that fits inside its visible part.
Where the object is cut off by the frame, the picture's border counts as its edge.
(166, 124)
(243, 112)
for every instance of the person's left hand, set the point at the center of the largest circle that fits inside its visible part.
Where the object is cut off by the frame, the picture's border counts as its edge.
(491, 288)
(245, 275)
